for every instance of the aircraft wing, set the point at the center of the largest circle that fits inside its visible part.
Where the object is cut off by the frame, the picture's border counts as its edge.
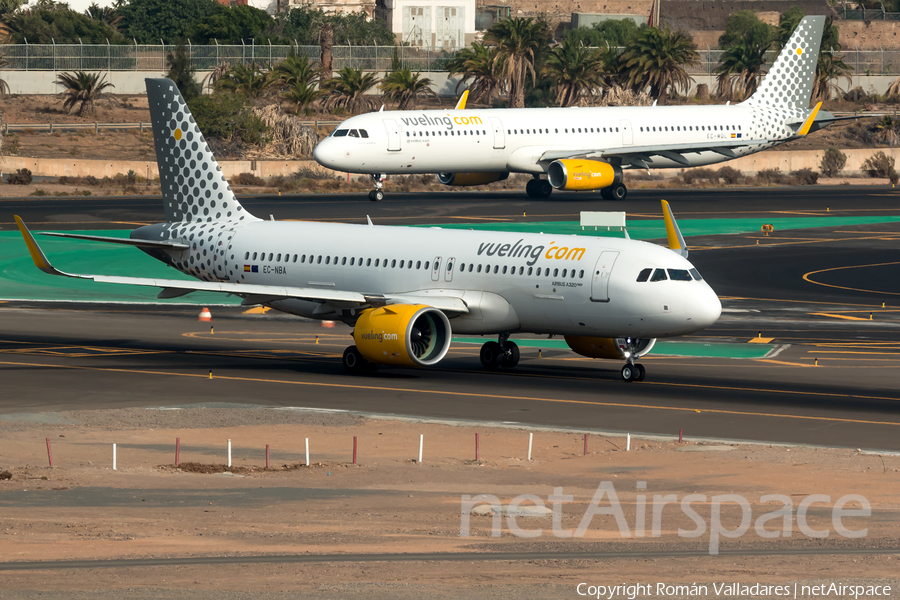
(642, 156)
(252, 293)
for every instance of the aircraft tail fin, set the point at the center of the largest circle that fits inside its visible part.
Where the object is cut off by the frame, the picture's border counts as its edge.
(193, 186)
(790, 80)
(673, 233)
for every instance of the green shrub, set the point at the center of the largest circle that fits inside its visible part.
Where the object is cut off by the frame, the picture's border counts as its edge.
(20, 177)
(805, 176)
(225, 116)
(731, 175)
(878, 165)
(247, 179)
(771, 176)
(832, 162)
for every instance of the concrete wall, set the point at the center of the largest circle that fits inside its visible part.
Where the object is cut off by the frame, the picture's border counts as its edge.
(132, 82)
(771, 159)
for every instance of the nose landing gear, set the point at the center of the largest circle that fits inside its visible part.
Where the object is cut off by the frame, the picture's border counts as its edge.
(377, 195)
(499, 354)
(632, 371)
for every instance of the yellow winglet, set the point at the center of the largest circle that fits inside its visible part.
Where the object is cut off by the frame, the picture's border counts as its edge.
(37, 255)
(462, 100)
(676, 240)
(809, 120)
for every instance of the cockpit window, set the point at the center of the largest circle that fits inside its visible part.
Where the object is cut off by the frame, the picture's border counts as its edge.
(353, 133)
(363, 133)
(340, 132)
(679, 275)
(659, 275)
(644, 275)
(696, 274)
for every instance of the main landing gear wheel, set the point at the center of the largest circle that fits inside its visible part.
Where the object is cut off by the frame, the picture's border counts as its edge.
(376, 195)
(616, 192)
(510, 356)
(491, 355)
(353, 361)
(538, 188)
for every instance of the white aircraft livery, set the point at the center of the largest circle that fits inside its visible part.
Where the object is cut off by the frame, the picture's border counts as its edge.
(405, 289)
(582, 148)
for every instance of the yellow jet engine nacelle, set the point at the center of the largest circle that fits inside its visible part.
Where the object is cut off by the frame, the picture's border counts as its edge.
(461, 179)
(403, 334)
(611, 348)
(582, 174)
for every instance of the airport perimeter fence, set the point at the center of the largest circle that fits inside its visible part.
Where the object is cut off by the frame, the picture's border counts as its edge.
(137, 57)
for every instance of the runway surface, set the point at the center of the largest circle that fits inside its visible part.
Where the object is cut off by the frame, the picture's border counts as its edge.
(831, 377)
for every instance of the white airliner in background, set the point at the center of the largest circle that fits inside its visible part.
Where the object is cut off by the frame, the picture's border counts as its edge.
(582, 148)
(405, 289)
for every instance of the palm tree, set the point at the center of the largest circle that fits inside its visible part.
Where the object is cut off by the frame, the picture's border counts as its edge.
(84, 88)
(404, 87)
(105, 14)
(481, 66)
(4, 87)
(296, 69)
(575, 69)
(740, 70)
(831, 68)
(518, 41)
(302, 95)
(252, 81)
(658, 58)
(347, 90)
(886, 131)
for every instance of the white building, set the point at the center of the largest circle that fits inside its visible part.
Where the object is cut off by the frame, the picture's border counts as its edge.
(432, 23)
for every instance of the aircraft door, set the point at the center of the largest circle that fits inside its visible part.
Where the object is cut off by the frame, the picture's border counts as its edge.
(448, 272)
(627, 133)
(436, 269)
(221, 265)
(393, 134)
(600, 278)
(499, 136)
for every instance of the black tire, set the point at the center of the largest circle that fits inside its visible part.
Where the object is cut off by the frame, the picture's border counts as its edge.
(606, 193)
(491, 354)
(531, 188)
(628, 373)
(641, 371)
(354, 362)
(619, 192)
(510, 357)
(371, 195)
(545, 188)
(377, 196)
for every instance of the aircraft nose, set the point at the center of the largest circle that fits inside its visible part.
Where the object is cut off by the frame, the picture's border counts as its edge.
(324, 155)
(705, 308)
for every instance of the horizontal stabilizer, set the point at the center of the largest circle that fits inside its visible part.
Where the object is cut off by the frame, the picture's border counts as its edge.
(124, 241)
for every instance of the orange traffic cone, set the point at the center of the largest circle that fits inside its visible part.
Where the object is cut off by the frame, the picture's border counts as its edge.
(205, 315)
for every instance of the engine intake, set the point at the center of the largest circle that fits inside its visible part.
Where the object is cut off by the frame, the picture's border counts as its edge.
(403, 334)
(462, 179)
(611, 348)
(582, 174)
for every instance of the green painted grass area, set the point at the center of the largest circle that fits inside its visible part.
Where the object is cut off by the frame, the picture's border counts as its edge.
(21, 280)
(656, 228)
(661, 348)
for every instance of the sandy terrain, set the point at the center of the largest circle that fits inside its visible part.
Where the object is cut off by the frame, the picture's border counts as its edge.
(81, 509)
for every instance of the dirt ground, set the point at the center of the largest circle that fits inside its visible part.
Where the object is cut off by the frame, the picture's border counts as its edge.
(390, 503)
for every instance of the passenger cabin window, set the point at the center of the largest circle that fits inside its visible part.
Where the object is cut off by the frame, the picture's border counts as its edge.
(679, 275)
(659, 275)
(341, 133)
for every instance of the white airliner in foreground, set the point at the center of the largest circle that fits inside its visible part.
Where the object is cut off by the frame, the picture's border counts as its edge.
(582, 148)
(404, 289)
